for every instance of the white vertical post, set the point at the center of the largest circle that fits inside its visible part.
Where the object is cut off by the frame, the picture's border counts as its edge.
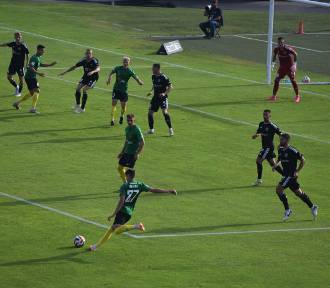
(270, 40)
(113, 3)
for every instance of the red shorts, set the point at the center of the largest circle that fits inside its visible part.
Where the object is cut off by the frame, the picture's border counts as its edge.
(286, 71)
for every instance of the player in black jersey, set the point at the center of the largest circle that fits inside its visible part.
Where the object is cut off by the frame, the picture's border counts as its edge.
(161, 87)
(20, 56)
(267, 131)
(289, 157)
(91, 75)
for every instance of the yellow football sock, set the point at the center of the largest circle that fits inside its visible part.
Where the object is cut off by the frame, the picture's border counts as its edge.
(113, 112)
(35, 100)
(105, 237)
(124, 228)
(123, 110)
(25, 97)
(122, 171)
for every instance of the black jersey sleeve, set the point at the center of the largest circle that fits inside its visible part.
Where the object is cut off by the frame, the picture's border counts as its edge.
(167, 81)
(26, 50)
(277, 130)
(297, 154)
(80, 63)
(11, 44)
(259, 128)
(96, 62)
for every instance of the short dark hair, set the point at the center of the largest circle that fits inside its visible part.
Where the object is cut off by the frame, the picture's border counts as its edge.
(280, 38)
(286, 136)
(267, 111)
(40, 47)
(156, 65)
(131, 116)
(130, 172)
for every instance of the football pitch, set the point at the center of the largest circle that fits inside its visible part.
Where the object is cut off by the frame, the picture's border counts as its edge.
(59, 169)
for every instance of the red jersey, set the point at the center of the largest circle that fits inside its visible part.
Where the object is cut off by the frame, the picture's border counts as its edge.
(286, 55)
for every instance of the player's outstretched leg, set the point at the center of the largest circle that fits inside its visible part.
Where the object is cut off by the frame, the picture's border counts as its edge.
(281, 195)
(304, 197)
(123, 111)
(126, 227)
(151, 122)
(168, 121)
(104, 239)
(17, 104)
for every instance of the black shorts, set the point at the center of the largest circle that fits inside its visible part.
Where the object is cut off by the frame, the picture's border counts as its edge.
(127, 160)
(267, 153)
(290, 182)
(119, 95)
(158, 102)
(14, 68)
(32, 83)
(121, 218)
(87, 81)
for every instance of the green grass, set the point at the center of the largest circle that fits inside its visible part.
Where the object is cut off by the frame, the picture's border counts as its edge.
(68, 162)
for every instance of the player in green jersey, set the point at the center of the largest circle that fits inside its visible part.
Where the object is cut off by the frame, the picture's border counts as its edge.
(129, 193)
(31, 79)
(133, 146)
(123, 74)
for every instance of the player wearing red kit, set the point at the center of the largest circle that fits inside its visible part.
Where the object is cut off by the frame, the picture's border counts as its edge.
(287, 57)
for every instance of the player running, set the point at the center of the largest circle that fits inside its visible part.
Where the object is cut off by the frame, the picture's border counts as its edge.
(123, 74)
(20, 56)
(161, 86)
(288, 67)
(133, 146)
(91, 68)
(31, 79)
(129, 193)
(288, 157)
(267, 131)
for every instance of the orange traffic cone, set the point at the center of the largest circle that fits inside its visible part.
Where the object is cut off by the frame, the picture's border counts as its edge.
(301, 28)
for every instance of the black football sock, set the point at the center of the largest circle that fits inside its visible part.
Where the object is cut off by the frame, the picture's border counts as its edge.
(284, 200)
(168, 120)
(20, 88)
(13, 82)
(259, 170)
(279, 170)
(304, 197)
(78, 95)
(151, 121)
(84, 100)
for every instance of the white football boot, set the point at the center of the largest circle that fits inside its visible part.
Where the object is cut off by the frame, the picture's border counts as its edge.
(287, 214)
(314, 211)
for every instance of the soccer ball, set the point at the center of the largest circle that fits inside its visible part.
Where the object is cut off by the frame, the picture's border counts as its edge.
(306, 79)
(79, 241)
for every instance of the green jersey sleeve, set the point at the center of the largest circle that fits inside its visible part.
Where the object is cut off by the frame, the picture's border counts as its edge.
(133, 74)
(122, 190)
(139, 135)
(144, 187)
(114, 70)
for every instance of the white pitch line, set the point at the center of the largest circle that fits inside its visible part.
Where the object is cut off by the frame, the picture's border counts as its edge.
(265, 41)
(182, 107)
(67, 214)
(84, 220)
(153, 61)
(234, 232)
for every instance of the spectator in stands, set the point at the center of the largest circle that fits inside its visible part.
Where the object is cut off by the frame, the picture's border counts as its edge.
(215, 20)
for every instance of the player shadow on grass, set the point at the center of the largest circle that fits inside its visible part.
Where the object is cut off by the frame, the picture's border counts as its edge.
(50, 260)
(81, 197)
(210, 228)
(48, 131)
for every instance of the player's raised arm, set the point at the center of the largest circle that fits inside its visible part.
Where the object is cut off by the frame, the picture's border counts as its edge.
(48, 65)
(68, 70)
(4, 45)
(157, 190)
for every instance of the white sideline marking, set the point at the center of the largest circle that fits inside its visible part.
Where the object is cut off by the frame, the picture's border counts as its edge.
(84, 220)
(152, 60)
(265, 41)
(233, 232)
(67, 214)
(198, 111)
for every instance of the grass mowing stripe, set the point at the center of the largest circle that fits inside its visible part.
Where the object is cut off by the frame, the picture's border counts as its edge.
(153, 61)
(216, 116)
(67, 214)
(235, 232)
(84, 220)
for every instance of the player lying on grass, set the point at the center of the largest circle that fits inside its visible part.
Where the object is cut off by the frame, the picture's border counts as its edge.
(287, 57)
(20, 56)
(119, 92)
(266, 131)
(161, 87)
(91, 68)
(129, 193)
(133, 147)
(31, 79)
(288, 157)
